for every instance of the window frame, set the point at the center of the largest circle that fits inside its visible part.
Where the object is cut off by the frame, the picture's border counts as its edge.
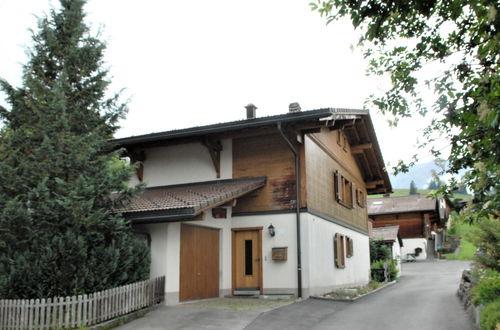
(360, 198)
(342, 196)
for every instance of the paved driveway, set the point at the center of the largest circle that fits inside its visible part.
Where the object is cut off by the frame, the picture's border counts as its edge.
(424, 298)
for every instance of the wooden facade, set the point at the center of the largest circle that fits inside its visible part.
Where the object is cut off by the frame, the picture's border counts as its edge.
(411, 225)
(269, 156)
(325, 157)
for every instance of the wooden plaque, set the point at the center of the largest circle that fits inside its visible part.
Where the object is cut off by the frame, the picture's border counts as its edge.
(280, 253)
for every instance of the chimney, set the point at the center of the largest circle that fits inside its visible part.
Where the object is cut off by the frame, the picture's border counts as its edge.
(251, 113)
(294, 107)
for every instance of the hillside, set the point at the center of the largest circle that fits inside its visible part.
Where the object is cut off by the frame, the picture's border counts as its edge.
(421, 174)
(405, 192)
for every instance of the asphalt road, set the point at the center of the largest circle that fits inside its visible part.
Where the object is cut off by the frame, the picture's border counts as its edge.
(424, 298)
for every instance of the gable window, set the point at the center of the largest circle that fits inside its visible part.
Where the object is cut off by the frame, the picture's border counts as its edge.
(343, 190)
(360, 198)
(342, 140)
(349, 246)
(338, 250)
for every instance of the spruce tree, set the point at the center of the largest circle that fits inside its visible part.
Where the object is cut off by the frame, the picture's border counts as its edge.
(59, 178)
(413, 188)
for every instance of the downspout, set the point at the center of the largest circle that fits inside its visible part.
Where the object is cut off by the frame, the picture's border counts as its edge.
(297, 188)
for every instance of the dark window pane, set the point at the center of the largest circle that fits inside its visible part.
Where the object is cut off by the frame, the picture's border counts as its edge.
(248, 257)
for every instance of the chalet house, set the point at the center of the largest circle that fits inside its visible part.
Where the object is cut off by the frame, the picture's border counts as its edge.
(421, 220)
(271, 205)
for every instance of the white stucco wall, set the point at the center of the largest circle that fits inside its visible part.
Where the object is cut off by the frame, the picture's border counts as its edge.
(320, 274)
(396, 254)
(410, 244)
(184, 163)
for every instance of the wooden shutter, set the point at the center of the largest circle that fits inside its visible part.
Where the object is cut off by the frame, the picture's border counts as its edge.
(349, 247)
(338, 251)
(337, 182)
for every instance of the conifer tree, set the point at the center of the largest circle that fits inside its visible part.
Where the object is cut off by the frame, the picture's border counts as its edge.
(413, 188)
(58, 233)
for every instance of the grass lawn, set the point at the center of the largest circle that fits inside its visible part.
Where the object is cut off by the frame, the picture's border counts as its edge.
(467, 249)
(405, 192)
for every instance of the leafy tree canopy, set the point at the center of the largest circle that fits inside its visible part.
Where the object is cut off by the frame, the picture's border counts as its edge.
(402, 38)
(60, 180)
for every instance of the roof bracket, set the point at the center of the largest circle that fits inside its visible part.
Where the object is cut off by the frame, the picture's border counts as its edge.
(135, 157)
(214, 148)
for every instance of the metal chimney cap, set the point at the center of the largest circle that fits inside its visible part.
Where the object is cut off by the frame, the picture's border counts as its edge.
(294, 107)
(251, 113)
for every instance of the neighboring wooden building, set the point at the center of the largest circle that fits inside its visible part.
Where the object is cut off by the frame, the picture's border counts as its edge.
(421, 220)
(273, 205)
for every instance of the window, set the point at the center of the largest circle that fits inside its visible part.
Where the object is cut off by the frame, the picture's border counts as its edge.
(349, 245)
(342, 139)
(360, 198)
(343, 190)
(248, 257)
(338, 251)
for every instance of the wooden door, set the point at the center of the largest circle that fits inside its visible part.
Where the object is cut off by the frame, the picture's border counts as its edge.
(199, 263)
(247, 259)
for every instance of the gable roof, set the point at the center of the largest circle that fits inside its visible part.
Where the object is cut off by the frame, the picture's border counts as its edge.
(401, 204)
(186, 201)
(387, 233)
(356, 124)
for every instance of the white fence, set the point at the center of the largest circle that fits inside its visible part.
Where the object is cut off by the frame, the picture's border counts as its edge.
(78, 311)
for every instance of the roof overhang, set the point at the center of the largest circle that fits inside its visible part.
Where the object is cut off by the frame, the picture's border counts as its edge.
(187, 201)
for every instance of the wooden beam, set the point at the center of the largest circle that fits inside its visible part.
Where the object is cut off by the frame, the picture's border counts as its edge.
(367, 165)
(214, 148)
(373, 184)
(360, 148)
(138, 156)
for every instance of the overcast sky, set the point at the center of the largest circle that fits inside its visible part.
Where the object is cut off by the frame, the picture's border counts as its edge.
(191, 63)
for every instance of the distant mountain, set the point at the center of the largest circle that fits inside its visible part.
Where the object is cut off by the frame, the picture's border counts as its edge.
(420, 173)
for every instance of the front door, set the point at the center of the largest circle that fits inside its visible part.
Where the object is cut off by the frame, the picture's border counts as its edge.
(199, 263)
(247, 259)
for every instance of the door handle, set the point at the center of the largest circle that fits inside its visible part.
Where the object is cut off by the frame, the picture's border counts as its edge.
(258, 259)
(198, 274)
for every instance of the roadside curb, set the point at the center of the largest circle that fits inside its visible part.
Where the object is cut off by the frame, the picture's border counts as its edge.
(355, 298)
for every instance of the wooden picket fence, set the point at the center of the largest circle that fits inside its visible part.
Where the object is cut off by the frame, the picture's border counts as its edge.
(83, 310)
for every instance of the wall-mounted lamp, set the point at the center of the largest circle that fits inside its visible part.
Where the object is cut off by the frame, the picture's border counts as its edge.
(271, 230)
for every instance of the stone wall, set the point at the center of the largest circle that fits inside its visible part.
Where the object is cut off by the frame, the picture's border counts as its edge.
(467, 282)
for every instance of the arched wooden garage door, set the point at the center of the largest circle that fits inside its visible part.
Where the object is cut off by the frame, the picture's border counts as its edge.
(199, 263)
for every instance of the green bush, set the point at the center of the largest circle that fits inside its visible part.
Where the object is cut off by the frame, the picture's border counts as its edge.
(377, 270)
(486, 236)
(379, 251)
(490, 316)
(487, 288)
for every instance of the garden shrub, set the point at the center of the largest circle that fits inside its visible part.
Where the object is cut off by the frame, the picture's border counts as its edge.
(487, 288)
(379, 251)
(490, 316)
(377, 270)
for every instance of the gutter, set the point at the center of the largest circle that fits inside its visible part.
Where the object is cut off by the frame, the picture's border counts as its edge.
(297, 204)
